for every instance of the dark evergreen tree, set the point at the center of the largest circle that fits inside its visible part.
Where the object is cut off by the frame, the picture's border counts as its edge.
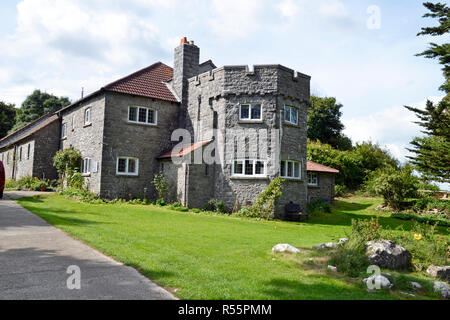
(7, 118)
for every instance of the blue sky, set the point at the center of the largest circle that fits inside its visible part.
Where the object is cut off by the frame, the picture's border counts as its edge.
(63, 45)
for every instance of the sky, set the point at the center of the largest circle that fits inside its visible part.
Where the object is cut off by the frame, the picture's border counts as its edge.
(361, 52)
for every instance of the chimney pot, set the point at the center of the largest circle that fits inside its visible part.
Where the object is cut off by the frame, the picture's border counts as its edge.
(183, 40)
(192, 42)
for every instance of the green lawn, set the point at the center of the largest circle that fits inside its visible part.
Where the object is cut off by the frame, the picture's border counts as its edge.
(216, 257)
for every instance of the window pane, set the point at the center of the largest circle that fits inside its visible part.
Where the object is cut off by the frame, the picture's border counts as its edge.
(287, 114)
(259, 168)
(122, 165)
(294, 115)
(297, 170)
(283, 168)
(151, 116)
(238, 167)
(87, 116)
(131, 165)
(132, 114)
(249, 167)
(245, 111)
(290, 169)
(256, 112)
(142, 115)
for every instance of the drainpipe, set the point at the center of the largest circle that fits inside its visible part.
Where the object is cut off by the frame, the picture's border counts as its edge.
(13, 174)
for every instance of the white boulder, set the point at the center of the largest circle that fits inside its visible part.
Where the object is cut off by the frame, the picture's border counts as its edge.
(378, 282)
(443, 288)
(285, 248)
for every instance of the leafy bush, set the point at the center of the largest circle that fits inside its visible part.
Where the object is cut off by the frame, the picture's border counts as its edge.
(81, 195)
(350, 258)
(341, 191)
(394, 185)
(317, 207)
(440, 220)
(75, 179)
(247, 212)
(429, 204)
(66, 161)
(426, 247)
(161, 185)
(196, 210)
(41, 185)
(161, 202)
(11, 185)
(215, 206)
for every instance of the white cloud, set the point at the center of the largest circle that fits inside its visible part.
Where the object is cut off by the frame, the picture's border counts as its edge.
(288, 8)
(235, 18)
(393, 128)
(333, 9)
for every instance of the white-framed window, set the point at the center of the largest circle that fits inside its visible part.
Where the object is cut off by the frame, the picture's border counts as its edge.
(291, 115)
(291, 169)
(86, 166)
(250, 112)
(313, 179)
(249, 168)
(142, 115)
(20, 154)
(127, 166)
(87, 116)
(28, 151)
(64, 131)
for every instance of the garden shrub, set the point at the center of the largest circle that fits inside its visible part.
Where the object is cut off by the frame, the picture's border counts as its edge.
(67, 161)
(317, 207)
(265, 203)
(215, 206)
(74, 179)
(161, 186)
(440, 220)
(81, 195)
(11, 184)
(341, 191)
(394, 185)
(161, 202)
(350, 258)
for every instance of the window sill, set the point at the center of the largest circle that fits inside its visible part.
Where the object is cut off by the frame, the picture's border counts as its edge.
(85, 175)
(87, 125)
(142, 124)
(248, 178)
(313, 186)
(292, 179)
(241, 121)
(120, 175)
(63, 139)
(288, 124)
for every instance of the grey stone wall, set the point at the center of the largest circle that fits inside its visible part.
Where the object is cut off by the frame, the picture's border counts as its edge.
(325, 188)
(221, 92)
(46, 144)
(176, 179)
(200, 189)
(124, 139)
(87, 138)
(39, 161)
(8, 164)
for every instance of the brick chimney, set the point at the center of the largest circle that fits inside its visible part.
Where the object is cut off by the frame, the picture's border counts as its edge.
(185, 66)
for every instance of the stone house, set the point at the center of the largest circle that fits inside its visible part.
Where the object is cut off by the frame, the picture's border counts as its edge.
(241, 128)
(30, 150)
(321, 182)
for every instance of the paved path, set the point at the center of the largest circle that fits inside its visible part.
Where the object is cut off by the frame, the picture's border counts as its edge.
(34, 258)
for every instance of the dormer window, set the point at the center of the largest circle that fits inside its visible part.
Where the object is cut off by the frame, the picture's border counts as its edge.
(250, 112)
(142, 115)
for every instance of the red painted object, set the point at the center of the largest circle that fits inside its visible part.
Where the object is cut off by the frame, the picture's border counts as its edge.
(2, 179)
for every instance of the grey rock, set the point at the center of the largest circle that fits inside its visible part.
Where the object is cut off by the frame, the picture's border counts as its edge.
(380, 280)
(443, 288)
(320, 246)
(440, 272)
(416, 285)
(332, 245)
(332, 268)
(343, 240)
(386, 254)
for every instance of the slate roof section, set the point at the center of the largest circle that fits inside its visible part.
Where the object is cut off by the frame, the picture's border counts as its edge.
(185, 150)
(28, 130)
(316, 167)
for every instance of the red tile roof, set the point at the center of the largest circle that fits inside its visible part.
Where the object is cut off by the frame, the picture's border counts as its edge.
(185, 150)
(148, 82)
(316, 167)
